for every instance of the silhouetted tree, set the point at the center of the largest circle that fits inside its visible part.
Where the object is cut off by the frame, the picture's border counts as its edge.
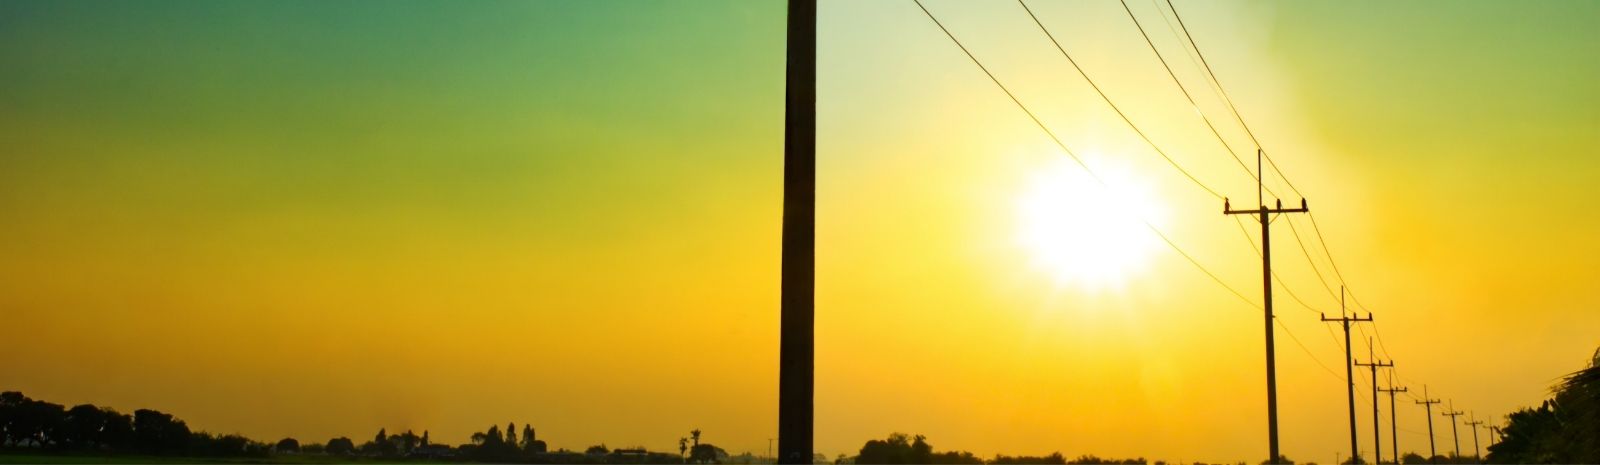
(492, 445)
(531, 443)
(117, 432)
(706, 453)
(1411, 458)
(341, 446)
(287, 446)
(88, 427)
(28, 422)
(159, 433)
(1563, 429)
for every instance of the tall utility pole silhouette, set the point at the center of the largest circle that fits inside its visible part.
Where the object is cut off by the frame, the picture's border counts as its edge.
(797, 323)
(1453, 413)
(1394, 428)
(1427, 405)
(1377, 435)
(1265, 215)
(1349, 374)
(1473, 425)
(1494, 434)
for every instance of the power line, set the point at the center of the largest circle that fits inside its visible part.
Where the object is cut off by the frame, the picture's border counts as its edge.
(1381, 345)
(1253, 176)
(1008, 93)
(1303, 348)
(1073, 155)
(1275, 276)
(1335, 339)
(1217, 84)
(1320, 278)
(1070, 153)
(1237, 115)
(1186, 52)
(1113, 105)
(1227, 99)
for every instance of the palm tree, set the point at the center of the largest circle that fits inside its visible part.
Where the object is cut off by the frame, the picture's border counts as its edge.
(683, 448)
(696, 435)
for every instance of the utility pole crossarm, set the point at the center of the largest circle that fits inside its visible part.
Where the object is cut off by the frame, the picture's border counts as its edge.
(1227, 209)
(1351, 319)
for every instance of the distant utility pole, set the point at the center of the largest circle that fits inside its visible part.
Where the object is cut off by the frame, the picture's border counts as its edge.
(769, 446)
(1427, 404)
(797, 297)
(1473, 425)
(1377, 435)
(1349, 374)
(1494, 435)
(1453, 413)
(1266, 289)
(1394, 435)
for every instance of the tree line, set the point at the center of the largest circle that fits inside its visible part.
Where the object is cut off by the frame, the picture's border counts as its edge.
(38, 426)
(900, 448)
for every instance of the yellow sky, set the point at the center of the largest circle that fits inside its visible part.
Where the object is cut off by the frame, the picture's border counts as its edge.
(313, 221)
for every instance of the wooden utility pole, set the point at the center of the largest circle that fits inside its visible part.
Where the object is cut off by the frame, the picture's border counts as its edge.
(1453, 413)
(1349, 373)
(1394, 427)
(1473, 425)
(1377, 435)
(796, 346)
(1427, 405)
(1265, 215)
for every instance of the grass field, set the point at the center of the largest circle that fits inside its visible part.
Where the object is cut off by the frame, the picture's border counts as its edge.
(144, 459)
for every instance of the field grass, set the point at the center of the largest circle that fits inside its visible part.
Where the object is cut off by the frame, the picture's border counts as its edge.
(6, 458)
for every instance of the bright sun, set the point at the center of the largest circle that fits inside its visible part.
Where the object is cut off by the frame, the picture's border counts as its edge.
(1085, 233)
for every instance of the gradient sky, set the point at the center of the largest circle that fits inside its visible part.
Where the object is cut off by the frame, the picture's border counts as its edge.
(315, 219)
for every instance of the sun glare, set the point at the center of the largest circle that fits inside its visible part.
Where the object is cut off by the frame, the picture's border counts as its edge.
(1085, 233)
